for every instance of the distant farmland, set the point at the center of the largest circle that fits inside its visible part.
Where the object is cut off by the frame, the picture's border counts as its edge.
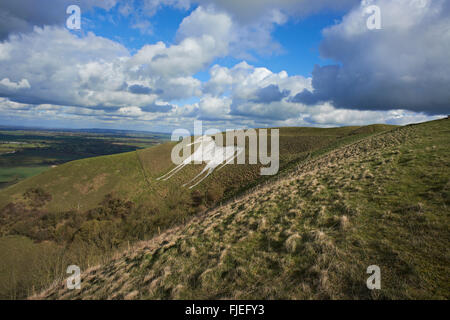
(26, 153)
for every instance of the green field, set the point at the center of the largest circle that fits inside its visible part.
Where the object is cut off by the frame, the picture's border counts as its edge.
(13, 175)
(27, 153)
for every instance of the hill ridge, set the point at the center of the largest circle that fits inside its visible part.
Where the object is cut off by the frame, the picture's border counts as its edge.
(146, 271)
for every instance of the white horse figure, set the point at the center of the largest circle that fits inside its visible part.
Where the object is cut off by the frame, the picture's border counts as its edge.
(208, 152)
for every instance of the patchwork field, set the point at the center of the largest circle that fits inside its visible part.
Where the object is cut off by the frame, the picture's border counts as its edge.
(25, 153)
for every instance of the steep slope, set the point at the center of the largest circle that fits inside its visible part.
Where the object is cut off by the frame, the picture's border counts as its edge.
(309, 235)
(84, 211)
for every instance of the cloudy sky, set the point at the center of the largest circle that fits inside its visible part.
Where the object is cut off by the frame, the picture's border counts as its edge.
(158, 65)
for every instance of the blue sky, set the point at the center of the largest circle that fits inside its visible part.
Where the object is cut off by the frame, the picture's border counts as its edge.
(111, 24)
(299, 38)
(158, 65)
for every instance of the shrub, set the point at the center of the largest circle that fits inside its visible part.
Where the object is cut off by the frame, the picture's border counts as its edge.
(197, 198)
(37, 196)
(214, 194)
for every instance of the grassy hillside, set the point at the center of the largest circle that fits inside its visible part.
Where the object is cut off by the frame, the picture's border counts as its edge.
(84, 183)
(87, 181)
(88, 209)
(309, 235)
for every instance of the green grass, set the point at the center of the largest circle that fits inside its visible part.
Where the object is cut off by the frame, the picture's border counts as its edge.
(24, 262)
(382, 200)
(75, 216)
(10, 175)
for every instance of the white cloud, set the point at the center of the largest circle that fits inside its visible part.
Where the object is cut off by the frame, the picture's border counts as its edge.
(95, 72)
(244, 82)
(55, 74)
(22, 84)
(186, 58)
(214, 108)
(58, 67)
(330, 116)
(206, 21)
(131, 111)
(198, 45)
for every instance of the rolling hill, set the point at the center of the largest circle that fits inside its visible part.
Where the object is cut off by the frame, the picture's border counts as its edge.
(310, 233)
(84, 183)
(86, 211)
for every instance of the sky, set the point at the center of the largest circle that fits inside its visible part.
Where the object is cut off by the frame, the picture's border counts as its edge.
(160, 65)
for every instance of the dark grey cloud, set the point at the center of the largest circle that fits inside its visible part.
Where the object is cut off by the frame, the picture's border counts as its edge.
(22, 15)
(405, 65)
(140, 89)
(26, 99)
(250, 10)
(244, 11)
(164, 108)
(269, 94)
(159, 57)
(306, 97)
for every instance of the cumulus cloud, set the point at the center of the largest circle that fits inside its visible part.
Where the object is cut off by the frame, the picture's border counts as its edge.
(57, 67)
(214, 108)
(198, 46)
(199, 23)
(89, 72)
(259, 97)
(245, 91)
(247, 81)
(404, 65)
(61, 68)
(254, 20)
(256, 92)
(50, 72)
